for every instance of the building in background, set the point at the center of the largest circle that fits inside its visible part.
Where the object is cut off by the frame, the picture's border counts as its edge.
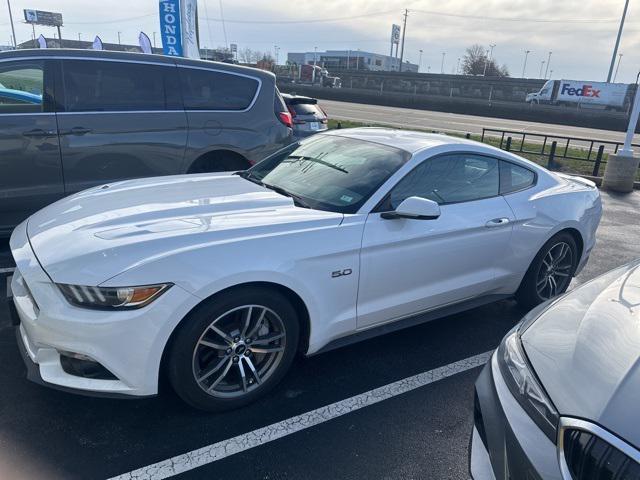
(350, 59)
(218, 55)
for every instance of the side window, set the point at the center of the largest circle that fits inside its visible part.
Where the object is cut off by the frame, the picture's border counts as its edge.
(209, 90)
(100, 86)
(21, 87)
(450, 179)
(514, 177)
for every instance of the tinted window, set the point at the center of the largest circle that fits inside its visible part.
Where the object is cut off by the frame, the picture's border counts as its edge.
(450, 179)
(335, 173)
(94, 86)
(514, 177)
(208, 90)
(306, 109)
(21, 87)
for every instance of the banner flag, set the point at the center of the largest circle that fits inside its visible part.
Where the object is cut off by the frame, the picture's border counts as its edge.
(170, 30)
(188, 13)
(145, 43)
(42, 42)
(97, 43)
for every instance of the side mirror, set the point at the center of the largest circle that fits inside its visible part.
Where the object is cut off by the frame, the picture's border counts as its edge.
(416, 208)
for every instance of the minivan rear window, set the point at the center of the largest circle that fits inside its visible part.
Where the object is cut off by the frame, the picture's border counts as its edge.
(213, 90)
(101, 86)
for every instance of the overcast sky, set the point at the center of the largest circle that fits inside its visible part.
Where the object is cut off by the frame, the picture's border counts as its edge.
(581, 33)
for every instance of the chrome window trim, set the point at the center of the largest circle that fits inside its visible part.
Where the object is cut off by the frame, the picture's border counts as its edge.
(162, 64)
(567, 423)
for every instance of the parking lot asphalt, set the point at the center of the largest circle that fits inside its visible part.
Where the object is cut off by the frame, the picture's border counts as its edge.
(394, 432)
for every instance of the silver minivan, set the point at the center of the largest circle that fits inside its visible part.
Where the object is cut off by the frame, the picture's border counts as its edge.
(72, 119)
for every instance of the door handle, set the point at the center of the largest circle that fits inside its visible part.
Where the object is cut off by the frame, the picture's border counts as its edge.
(76, 131)
(38, 132)
(497, 222)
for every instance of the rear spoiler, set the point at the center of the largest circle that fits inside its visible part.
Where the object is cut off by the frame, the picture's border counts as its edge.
(583, 181)
(302, 100)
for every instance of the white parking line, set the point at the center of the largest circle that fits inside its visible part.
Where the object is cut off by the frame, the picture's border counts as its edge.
(218, 451)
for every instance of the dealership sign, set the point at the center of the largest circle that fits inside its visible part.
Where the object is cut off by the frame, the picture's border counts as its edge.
(598, 93)
(178, 28)
(170, 30)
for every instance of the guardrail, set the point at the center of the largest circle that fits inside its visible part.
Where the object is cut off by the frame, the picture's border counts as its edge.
(555, 147)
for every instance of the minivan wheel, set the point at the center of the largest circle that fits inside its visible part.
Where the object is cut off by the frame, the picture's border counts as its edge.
(551, 271)
(233, 349)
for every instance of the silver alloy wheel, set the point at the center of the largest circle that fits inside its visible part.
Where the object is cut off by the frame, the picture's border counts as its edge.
(555, 271)
(238, 351)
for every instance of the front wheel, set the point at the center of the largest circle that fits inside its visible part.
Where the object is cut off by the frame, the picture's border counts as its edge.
(550, 272)
(233, 349)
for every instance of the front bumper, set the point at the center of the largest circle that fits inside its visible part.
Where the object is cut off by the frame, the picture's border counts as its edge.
(506, 443)
(129, 344)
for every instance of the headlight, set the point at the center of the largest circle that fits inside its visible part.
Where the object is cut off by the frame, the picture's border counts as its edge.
(112, 298)
(524, 385)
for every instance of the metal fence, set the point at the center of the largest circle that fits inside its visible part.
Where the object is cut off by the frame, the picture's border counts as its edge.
(555, 148)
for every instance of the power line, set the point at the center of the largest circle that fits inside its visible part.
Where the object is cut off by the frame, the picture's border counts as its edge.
(317, 20)
(224, 28)
(518, 19)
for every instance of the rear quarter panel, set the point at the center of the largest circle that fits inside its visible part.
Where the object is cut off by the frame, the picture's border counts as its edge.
(554, 204)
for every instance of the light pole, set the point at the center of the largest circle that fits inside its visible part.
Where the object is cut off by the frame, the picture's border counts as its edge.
(276, 51)
(119, 40)
(548, 63)
(541, 67)
(618, 67)
(458, 67)
(154, 39)
(420, 61)
(13, 30)
(429, 69)
(526, 55)
(79, 37)
(358, 59)
(442, 67)
(615, 49)
(488, 59)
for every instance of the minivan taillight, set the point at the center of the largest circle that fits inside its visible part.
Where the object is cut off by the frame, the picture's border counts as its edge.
(285, 118)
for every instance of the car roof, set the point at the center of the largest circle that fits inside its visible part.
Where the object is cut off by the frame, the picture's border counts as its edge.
(408, 140)
(130, 56)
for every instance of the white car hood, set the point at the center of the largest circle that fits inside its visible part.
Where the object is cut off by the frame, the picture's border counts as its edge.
(94, 235)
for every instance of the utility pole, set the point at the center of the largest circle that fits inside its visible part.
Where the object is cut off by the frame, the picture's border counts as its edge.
(154, 39)
(79, 37)
(420, 61)
(615, 49)
(548, 63)
(488, 58)
(442, 67)
(541, 67)
(13, 30)
(119, 41)
(458, 67)
(524, 67)
(404, 30)
(618, 67)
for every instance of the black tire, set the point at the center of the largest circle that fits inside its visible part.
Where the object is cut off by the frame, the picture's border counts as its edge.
(528, 294)
(187, 354)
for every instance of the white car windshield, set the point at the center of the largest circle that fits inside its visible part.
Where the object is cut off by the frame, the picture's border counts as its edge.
(335, 173)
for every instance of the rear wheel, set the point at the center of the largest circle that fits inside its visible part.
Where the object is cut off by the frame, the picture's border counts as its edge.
(219, 162)
(234, 349)
(550, 272)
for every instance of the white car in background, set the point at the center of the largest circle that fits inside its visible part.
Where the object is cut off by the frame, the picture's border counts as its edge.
(218, 280)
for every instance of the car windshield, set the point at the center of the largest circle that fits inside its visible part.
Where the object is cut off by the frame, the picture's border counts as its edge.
(334, 173)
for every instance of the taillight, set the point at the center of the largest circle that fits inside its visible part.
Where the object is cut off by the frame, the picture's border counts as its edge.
(285, 118)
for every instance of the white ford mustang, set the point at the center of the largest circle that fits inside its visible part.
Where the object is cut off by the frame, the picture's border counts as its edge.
(217, 280)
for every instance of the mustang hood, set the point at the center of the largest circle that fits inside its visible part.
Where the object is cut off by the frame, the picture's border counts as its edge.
(586, 352)
(96, 234)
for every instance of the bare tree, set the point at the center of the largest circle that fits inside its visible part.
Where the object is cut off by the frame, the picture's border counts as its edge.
(476, 62)
(246, 55)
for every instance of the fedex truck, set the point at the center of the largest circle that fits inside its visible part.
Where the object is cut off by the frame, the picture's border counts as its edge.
(614, 96)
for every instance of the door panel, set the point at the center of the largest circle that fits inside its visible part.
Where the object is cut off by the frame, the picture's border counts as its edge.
(122, 120)
(30, 167)
(411, 265)
(408, 266)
